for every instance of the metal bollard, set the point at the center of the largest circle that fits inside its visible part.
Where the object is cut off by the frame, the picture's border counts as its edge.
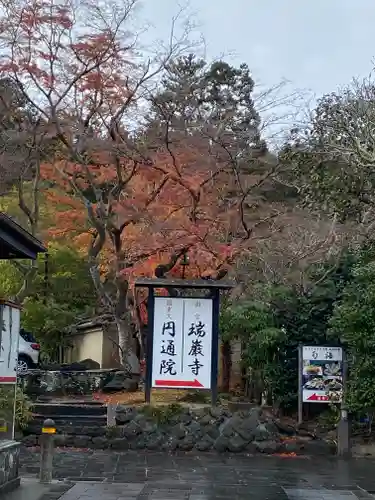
(46, 451)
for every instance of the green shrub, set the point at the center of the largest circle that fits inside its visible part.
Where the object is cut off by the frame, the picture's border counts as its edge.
(199, 397)
(23, 409)
(330, 418)
(162, 414)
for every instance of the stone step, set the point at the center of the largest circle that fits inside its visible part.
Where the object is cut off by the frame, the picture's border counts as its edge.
(96, 425)
(68, 422)
(82, 430)
(73, 419)
(51, 410)
(88, 401)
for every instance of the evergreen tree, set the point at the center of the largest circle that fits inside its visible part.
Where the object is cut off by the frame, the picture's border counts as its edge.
(214, 100)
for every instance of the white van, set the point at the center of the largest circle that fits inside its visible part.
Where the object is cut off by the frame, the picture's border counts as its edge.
(28, 352)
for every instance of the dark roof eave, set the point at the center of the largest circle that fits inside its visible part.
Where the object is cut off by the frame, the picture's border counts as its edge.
(87, 324)
(16, 236)
(180, 283)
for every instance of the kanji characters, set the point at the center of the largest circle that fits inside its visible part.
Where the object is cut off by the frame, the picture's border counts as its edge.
(167, 366)
(196, 348)
(195, 366)
(197, 329)
(169, 327)
(169, 349)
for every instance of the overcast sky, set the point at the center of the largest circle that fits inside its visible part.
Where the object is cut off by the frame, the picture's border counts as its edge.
(317, 45)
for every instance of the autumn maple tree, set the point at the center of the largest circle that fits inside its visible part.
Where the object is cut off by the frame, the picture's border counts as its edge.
(151, 212)
(136, 196)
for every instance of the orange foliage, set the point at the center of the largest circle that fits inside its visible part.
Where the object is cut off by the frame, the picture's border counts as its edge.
(77, 63)
(69, 55)
(167, 204)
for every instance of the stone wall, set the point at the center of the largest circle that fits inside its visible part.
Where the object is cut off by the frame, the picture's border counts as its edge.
(38, 383)
(9, 461)
(180, 428)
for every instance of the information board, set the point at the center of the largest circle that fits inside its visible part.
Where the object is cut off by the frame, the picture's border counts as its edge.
(322, 370)
(182, 343)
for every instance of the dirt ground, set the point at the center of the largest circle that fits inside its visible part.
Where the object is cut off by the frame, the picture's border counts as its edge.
(158, 396)
(138, 398)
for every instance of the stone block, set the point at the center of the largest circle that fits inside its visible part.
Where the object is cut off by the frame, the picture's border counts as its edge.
(9, 465)
(251, 448)
(100, 442)
(187, 443)
(320, 447)
(195, 428)
(186, 418)
(124, 415)
(119, 444)
(284, 428)
(30, 440)
(212, 431)
(205, 420)
(137, 444)
(179, 431)
(268, 447)
(261, 433)
(82, 441)
(202, 429)
(170, 443)
(120, 381)
(221, 444)
(205, 444)
(154, 441)
(236, 444)
(131, 430)
(240, 406)
(216, 412)
(61, 440)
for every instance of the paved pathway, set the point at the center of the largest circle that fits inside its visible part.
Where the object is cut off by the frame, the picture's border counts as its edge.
(147, 476)
(31, 489)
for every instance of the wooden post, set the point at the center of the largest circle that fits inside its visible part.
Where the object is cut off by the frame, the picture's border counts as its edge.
(215, 344)
(149, 344)
(343, 430)
(300, 385)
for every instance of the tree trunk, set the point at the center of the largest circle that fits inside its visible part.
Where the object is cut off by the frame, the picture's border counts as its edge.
(258, 387)
(226, 365)
(127, 346)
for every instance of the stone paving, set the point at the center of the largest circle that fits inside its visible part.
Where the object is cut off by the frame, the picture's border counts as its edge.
(161, 476)
(31, 489)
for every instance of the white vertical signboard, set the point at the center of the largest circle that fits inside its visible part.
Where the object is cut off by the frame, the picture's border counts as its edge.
(322, 370)
(182, 343)
(9, 336)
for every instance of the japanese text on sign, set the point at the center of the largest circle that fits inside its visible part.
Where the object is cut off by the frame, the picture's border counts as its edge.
(182, 342)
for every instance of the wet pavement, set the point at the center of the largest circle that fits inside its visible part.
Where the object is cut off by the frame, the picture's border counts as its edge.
(146, 476)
